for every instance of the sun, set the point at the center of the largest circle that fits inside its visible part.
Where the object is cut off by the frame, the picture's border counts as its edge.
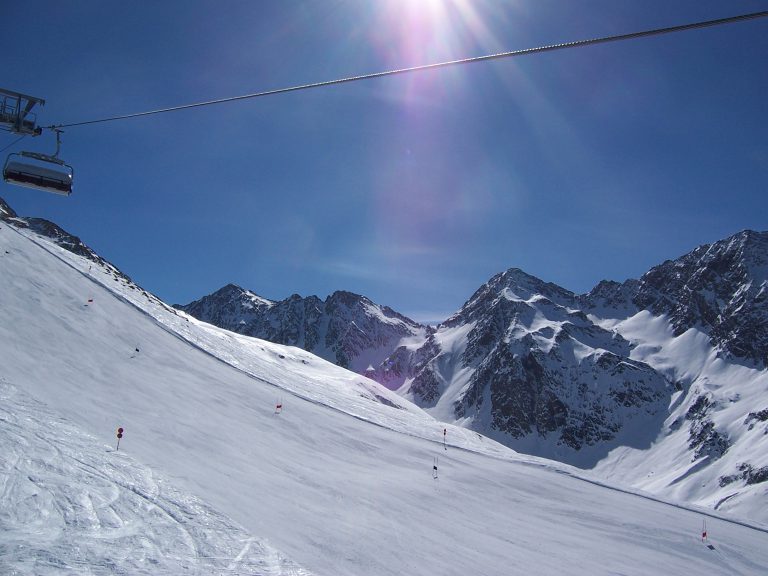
(416, 32)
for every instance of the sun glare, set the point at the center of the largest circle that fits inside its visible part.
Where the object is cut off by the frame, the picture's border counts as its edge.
(420, 204)
(415, 32)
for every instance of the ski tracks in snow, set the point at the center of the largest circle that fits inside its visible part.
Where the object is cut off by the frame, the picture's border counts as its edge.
(69, 504)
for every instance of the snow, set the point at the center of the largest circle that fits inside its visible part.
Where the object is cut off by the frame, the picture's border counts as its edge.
(71, 504)
(452, 342)
(209, 480)
(691, 361)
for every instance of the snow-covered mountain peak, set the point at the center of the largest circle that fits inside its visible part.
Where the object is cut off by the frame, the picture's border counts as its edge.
(513, 285)
(230, 306)
(747, 249)
(247, 298)
(354, 305)
(346, 328)
(740, 259)
(232, 442)
(719, 289)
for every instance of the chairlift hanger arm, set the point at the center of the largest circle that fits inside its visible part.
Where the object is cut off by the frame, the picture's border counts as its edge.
(15, 112)
(18, 95)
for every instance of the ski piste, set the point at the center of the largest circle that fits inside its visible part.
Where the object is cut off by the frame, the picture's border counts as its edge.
(198, 406)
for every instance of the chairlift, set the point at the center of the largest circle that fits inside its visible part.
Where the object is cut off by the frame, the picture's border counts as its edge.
(48, 173)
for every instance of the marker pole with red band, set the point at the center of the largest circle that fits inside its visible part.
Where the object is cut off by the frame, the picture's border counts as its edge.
(119, 435)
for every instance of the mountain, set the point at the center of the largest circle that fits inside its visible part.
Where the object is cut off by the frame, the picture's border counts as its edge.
(701, 321)
(654, 383)
(720, 289)
(521, 363)
(209, 480)
(345, 328)
(60, 238)
(650, 367)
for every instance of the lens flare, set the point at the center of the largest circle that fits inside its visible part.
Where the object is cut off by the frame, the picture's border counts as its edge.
(421, 204)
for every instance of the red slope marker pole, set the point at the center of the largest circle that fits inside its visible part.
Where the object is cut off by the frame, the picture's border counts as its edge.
(119, 435)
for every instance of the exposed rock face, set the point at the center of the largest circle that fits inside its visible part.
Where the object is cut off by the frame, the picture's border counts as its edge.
(6, 211)
(705, 440)
(58, 235)
(230, 307)
(418, 366)
(720, 288)
(748, 474)
(538, 366)
(610, 298)
(526, 359)
(346, 328)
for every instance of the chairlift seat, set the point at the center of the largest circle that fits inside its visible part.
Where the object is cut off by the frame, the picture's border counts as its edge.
(57, 180)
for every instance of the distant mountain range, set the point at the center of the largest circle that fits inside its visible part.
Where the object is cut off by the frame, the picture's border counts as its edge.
(646, 366)
(346, 329)
(659, 382)
(135, 439)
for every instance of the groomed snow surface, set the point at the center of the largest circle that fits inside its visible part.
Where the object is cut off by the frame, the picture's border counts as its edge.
(210, 480)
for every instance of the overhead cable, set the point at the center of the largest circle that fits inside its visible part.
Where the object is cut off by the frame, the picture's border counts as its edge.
(13, 143)
(523, 52)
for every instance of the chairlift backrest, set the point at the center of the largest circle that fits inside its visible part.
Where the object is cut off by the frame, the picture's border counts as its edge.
(50, 175)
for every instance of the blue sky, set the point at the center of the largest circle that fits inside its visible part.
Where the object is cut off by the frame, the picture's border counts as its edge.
(576, 166)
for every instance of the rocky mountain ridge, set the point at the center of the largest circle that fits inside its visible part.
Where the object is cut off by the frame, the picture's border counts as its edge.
(656, 382)
(534, 371)
(60, 236)
(719, 288)
(345, 328)
(536, 366)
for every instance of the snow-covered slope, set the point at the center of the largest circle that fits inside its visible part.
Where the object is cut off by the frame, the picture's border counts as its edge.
(520, 363)
(702, 321)
(712, 448)
(340, 482)
(71, 504)
(667, 368)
